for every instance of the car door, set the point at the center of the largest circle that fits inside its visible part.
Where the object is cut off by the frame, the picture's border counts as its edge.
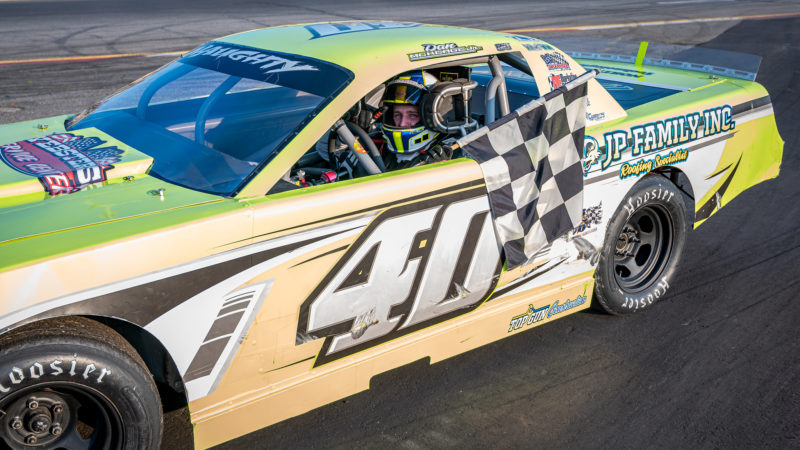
(362, 276)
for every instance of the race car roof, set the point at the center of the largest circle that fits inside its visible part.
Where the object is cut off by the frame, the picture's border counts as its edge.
(361, 45)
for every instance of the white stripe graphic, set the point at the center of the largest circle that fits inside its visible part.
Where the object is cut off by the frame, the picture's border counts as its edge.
(12, 318)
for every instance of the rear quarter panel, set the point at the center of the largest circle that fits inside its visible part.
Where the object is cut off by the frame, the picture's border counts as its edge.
(720, 159)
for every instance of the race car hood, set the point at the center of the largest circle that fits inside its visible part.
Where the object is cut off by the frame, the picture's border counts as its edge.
(40, 159)
(31, 205)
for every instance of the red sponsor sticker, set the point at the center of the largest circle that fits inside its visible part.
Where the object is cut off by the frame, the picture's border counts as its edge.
(63, 162)
(556, 81)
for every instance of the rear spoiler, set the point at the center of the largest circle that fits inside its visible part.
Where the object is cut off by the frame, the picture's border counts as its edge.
(699, 59)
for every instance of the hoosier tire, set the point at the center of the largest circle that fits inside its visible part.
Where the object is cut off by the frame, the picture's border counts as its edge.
(73, 383)
(643, 245)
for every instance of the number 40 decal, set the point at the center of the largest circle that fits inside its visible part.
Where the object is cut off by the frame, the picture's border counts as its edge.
(414, 266)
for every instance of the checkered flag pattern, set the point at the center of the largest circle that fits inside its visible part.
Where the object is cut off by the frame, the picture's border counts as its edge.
(531, 161)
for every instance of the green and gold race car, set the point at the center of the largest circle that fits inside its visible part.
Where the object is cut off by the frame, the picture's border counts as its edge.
(253, 231)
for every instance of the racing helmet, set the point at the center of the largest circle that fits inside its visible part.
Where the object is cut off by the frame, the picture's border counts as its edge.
(407, 89)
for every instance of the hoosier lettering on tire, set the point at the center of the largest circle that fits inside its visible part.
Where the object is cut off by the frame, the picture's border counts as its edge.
(74, 383)
(643, 245)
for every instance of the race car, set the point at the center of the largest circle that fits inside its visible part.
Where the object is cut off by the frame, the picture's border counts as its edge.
(223, 233)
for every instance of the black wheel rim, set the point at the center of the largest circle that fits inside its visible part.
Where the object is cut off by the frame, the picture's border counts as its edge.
(60, 415)
(643, 248)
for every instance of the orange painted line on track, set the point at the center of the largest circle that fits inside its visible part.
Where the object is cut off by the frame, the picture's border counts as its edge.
(654, 23)
(67, 59)
(70, 59)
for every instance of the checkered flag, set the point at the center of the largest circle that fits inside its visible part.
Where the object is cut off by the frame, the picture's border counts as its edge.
(531, 161)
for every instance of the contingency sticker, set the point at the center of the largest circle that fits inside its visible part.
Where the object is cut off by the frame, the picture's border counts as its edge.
(63, 162)
(555, 61)
(431, 51)
(558, 80)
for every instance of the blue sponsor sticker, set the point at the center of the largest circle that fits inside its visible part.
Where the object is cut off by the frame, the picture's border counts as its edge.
(537, 47)
(534, 315)
(320, 30)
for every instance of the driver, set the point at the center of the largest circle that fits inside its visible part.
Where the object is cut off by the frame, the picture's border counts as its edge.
(409, 142)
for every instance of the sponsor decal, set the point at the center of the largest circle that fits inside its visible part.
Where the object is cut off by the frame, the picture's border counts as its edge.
(503, 46)
(555, 61)
(48, 368)
(617, 87)
(595, 117)
(529, 317)
(445, 76)
(360, 148)
(535, 315)
(617, 71)
(537, 47)
(591, 153)
(63, 162)
(663, 134)
(524, 38)
(66, 183)
(591, 216)
(557, 308)
(320, 30)
(265, 62)
(646, 165)
(556, 81)
(442, 50)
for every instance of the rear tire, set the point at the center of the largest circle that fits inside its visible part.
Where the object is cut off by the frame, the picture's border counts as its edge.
(643, 246)
(74, 383)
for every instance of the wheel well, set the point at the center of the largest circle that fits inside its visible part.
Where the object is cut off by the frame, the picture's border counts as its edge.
(156, 357)
(681, 181)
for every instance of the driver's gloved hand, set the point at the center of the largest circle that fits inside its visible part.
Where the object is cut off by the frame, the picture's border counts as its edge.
(438, 153)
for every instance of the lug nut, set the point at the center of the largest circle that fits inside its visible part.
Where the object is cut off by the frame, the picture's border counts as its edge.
(31, 439)
(16, 424)
(58, 409)
(33, 404)
(56, 430)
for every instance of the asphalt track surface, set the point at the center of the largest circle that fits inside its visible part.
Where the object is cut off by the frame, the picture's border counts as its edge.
(716, 364)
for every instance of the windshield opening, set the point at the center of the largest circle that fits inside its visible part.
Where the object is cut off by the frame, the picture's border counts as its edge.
(212, 119)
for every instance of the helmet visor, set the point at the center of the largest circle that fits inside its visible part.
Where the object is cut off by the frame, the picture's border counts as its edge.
(403, 92)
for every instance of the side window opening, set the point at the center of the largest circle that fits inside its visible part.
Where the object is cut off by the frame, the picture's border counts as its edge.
(519, 85)
(506, 77)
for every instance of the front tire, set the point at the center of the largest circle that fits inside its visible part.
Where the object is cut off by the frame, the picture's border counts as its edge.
(74, 383)
(643, 246)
